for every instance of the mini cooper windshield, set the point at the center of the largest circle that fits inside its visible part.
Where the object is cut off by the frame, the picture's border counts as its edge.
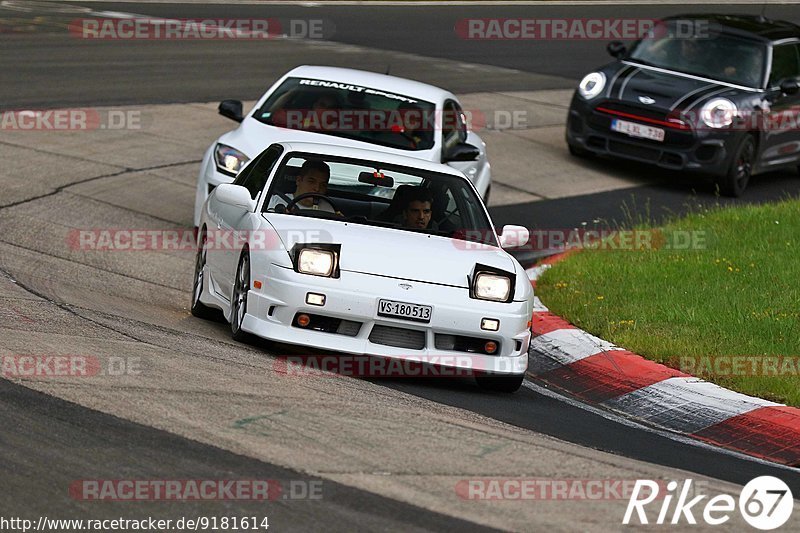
(352, 111)
(715, 55)
(378, 194)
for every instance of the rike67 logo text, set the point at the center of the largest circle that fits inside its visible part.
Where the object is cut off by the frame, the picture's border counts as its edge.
(765, 503)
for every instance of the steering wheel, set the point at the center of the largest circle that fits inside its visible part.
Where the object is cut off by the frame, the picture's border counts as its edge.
(317, 195)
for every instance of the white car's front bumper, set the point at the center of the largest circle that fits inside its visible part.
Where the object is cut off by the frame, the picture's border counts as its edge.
(271, 312)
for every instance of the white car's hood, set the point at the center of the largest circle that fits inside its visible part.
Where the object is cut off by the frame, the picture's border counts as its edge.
(393, 253)
(252, 137)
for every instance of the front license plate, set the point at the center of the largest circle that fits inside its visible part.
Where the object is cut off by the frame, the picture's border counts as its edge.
(420, 313)
(638, 130)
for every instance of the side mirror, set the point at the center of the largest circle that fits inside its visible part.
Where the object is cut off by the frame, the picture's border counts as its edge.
(616, 49)
(235, 195)
(231, 109)
(514, 236)
(462, 152)
(789, 86)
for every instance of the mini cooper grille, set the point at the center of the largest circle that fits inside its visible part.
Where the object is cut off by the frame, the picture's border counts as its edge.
(398, 337)
(675, 135)
(625, 107)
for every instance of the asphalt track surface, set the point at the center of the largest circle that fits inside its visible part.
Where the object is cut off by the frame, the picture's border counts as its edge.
(59, 70)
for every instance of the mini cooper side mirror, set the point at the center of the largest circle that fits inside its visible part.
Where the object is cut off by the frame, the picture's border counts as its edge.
(235, 195)
(231, 109)
(616, 49)
(789, 86)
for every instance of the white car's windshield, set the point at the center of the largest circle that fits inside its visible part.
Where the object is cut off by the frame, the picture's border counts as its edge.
(717, 56)
(377, 194)
(353, 111)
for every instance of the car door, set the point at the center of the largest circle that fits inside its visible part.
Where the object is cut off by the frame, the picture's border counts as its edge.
(235, 223)
(781, 137)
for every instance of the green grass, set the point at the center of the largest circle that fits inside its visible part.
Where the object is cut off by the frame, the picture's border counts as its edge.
(739, 295)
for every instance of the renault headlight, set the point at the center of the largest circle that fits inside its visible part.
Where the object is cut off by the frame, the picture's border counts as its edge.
(718, 113)
(592, 84)
(492, 287)
(229, 160)
(316, 262)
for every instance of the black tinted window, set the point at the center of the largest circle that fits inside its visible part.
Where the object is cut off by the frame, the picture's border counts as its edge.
(785, 63)
(255, 175)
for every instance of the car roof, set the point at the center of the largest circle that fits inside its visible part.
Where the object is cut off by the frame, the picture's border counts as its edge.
(370, 155)
(373, 80)
(753, 26)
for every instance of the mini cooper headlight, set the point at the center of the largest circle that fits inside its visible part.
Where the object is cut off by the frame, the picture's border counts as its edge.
(592, 84)
(316, 262)
(718, 113)
(229, 160)
(492, 287)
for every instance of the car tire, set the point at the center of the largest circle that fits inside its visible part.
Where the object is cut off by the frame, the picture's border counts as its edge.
(199, 309)
(500, 383)
(577, 151)
(241, 288)
(735, 181)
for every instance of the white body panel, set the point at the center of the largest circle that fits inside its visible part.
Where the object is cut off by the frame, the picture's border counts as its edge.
(375, 263)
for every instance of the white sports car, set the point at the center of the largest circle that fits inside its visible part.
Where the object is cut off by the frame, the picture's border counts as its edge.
(365, 252)
(351, 108)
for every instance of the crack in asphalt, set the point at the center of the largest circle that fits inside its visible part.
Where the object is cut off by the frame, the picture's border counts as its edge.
(53, 256)
(519, 189)
(125, 170)
(62, 306)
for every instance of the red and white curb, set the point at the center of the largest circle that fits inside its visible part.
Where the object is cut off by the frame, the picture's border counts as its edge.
(612, 378)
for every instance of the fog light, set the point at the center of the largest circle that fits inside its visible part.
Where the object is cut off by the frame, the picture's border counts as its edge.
(303, 320)
(490, 324)
(313, 298)
(490, 347)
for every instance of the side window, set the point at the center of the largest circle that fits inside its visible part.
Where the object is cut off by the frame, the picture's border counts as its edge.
(450, 126)
(255, 175)
(785, 63)
(461, 123)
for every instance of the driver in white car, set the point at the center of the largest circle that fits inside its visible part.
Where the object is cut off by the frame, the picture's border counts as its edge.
(312, 178)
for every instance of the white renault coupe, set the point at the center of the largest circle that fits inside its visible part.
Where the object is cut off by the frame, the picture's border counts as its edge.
(351, 108)
(365, 252)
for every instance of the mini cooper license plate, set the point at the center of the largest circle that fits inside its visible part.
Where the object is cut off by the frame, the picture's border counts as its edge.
(638, 130)
(407, 311)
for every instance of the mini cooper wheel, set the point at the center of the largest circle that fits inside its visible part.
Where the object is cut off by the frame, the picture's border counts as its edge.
(744, 157)
(500, 383)
(239, 300)
(199, 309)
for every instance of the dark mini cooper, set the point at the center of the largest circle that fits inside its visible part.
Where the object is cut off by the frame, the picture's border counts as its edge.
(716, 94)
